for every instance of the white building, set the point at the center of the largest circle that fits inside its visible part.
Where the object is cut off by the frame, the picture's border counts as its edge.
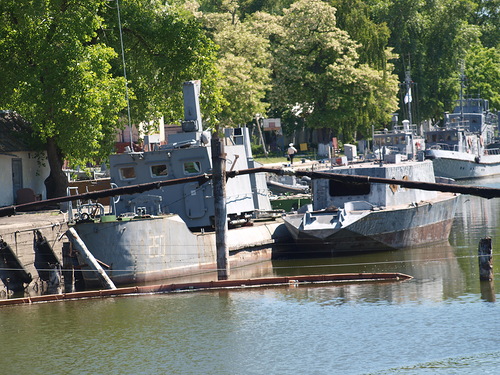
(21, 166)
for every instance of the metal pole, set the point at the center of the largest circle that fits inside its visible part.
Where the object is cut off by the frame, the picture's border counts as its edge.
(257, 118)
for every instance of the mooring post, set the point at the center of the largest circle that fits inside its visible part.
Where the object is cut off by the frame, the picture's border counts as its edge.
(221, 227)
(68, 270)
(485, 256)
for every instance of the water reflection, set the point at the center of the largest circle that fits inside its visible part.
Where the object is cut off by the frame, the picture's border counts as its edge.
(488, 291)
(436, 271)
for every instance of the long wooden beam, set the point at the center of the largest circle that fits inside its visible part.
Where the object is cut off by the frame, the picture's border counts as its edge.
(479, 191)
(215, 285)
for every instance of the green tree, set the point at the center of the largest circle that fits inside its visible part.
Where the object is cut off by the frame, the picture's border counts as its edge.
(318, 73)
(61, 70)
(431, 37)
(59, 79)
(244, 8)
(243, 61)
(487, 17)
(482, 69)
(165, 45)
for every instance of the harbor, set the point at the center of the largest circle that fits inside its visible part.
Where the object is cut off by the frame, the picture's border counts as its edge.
(250, 187)
(444, 313)
(128, 258)
(417, 292)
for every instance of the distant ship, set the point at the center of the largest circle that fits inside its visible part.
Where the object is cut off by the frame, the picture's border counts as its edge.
(464, 148)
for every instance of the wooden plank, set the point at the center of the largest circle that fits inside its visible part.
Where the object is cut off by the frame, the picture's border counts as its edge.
(211, 285)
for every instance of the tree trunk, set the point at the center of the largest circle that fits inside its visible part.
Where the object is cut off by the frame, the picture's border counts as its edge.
(324, 135)
(57, 183)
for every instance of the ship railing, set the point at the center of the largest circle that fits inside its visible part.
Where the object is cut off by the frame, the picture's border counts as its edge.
(457, 125)
(398, 129)
(443, 146)
(492, 151)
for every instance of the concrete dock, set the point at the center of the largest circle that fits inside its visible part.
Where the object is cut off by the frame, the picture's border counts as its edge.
(18, 232)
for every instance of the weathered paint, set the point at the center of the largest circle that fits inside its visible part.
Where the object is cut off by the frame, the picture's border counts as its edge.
(148, 249)
(389, 228)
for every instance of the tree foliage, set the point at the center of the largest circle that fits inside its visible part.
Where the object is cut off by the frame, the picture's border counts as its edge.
(243, 62)
(164, 46)
(433, 39)
(482, 69)
(318, 72)
(61, 71)
(58, 78)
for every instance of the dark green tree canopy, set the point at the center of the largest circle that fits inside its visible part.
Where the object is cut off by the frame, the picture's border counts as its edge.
(62, 71)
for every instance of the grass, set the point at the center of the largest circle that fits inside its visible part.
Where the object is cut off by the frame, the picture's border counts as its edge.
(282, 159)
(270, 159)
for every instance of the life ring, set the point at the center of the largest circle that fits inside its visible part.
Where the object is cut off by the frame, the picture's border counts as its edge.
(417, 145)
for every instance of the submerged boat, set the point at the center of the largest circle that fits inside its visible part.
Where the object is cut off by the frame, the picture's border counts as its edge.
(365, 217)
(462, 149)
(168, 231)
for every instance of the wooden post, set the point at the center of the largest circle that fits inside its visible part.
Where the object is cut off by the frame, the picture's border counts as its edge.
(485, 257)
(68, 269)
(488, 290)
(219, 184)
(89, 258)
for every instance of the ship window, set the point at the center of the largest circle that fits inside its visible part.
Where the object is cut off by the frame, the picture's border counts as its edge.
(191, 167)
(339, 189)
(159, 170)
(127, 173)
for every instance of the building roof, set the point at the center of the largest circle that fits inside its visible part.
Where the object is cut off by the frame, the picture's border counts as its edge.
(14, 133)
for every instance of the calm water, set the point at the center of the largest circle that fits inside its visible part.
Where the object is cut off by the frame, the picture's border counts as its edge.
(444, 321)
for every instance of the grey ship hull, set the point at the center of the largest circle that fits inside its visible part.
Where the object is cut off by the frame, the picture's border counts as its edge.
(156, 248)
(462, 165)
(385, 229)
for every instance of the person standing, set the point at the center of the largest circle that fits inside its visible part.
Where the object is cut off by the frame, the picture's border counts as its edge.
(291, 152)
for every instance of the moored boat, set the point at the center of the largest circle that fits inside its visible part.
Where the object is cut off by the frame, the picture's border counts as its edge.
(462, 148)
(168, 231)
(354, 217)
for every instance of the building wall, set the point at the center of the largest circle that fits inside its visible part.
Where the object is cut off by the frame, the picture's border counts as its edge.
(33, 175)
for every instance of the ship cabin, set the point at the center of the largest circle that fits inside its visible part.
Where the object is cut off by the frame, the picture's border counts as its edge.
(188, 154)
(402, 139)
(332, 193)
